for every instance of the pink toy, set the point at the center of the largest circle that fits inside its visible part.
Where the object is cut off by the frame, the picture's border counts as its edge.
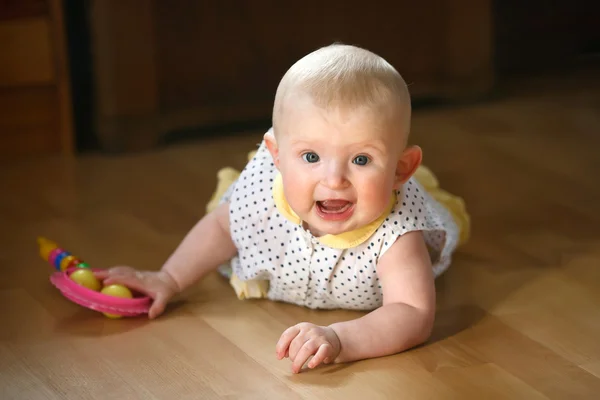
(98, 301)
(65, 263)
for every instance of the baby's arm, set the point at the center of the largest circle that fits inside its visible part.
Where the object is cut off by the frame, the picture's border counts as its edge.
(406, 318)
(204, 248)
(404, 321)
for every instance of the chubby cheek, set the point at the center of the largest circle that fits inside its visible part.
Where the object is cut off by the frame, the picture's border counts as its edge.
(374, 193)
(299, 191)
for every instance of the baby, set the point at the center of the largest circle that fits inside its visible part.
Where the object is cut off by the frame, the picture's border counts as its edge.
(328, 211)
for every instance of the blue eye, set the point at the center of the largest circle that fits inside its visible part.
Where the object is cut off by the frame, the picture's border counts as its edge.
(361, 160)
(310, 157)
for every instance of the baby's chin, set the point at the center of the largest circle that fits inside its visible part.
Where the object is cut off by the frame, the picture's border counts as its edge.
(319, 227)
(319, 231)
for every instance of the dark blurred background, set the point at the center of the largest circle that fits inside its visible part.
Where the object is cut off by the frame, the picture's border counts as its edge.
(131, 75)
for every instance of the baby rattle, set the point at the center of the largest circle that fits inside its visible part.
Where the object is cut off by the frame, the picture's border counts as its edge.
(76, 281)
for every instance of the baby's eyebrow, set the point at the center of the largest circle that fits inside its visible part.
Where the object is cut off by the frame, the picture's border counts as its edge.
(361, 146)
(368, 145)
(303, 144)
(302, 141)
(379, 147)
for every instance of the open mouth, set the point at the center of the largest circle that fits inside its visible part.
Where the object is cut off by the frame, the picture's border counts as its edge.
(335, 210)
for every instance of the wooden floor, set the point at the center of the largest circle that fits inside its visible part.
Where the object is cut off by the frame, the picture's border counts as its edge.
(519, 310)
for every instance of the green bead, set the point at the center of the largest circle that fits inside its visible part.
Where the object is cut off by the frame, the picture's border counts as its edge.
(83, 265)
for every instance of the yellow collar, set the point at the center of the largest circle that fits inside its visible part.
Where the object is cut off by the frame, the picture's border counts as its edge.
(341, 241)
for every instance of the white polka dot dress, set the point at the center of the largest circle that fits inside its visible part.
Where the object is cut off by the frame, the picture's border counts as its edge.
(302, 270)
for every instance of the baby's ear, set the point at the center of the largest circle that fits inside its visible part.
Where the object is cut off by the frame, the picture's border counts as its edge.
(271, 143)
(407, 165)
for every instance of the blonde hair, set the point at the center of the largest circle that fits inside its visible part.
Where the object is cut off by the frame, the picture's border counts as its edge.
(342, 75)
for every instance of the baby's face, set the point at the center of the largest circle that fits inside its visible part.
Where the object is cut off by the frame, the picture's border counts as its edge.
(338, 168)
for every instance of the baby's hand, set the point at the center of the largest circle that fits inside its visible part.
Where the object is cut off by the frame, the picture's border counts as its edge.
(159, 285)
(301, 341)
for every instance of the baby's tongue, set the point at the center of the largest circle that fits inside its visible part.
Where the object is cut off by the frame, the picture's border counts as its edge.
(334, 204)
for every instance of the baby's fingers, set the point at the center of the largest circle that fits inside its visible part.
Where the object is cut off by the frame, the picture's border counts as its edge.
(114, 271)
(101, 274)
(323, 355)
(282, 347)
(158, 305)
(132, 281)
(309, 348)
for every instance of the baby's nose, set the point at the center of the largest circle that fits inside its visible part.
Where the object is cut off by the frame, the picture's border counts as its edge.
(336, 177)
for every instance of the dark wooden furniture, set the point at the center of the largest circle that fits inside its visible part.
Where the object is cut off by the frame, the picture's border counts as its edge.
(35, 103)
(166, 66)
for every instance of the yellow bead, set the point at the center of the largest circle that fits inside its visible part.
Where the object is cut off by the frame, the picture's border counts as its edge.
(64, 263)
(116, 290)
(86, 277)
